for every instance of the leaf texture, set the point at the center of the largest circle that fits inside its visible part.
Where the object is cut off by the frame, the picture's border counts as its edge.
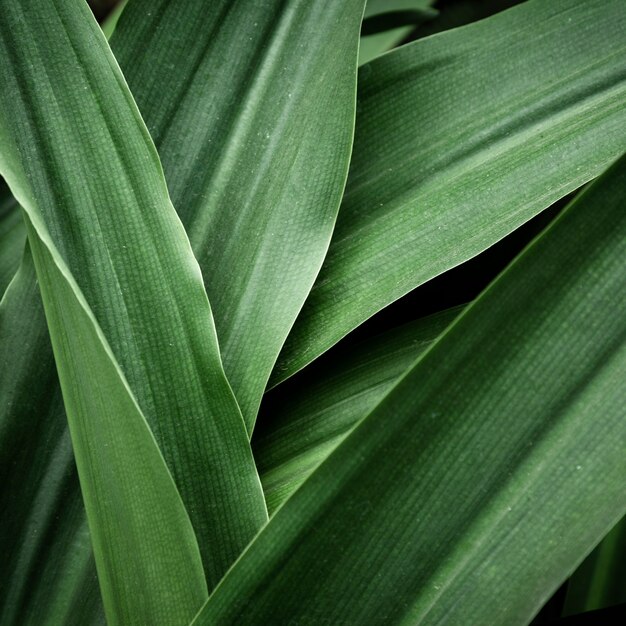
(488, 471)
(254, 131)
(12, 237)
(47, 570)
(117, 236)
(305, 419)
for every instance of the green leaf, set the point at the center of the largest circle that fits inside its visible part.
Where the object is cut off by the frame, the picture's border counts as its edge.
(12, 237)
(373, 45)
(148, 560)
(307, 417)
(460, 139)
(47, 567)
(486, 473)
(254, 131)
(600, 581)
(95, 184)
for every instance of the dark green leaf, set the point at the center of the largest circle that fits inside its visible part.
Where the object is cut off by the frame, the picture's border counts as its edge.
(600, 581)
(12, 237)
(308, 416)
(153, 312)
(460, 139)
(254, 131)
(486, 474)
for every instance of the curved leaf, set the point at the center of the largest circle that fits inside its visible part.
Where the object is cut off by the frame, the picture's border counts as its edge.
(488, 471)
(47, 570)
(148, 560)
(377, 11)
(305, 419)
(460, 139)
(119, 235)
(254, 131)
(12, 237)
(600, 581)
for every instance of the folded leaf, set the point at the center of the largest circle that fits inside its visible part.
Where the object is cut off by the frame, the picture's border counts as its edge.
(304, 420)
(486, 474)
(254, 131)
(95, 184)
(460, 139)
(12, 237)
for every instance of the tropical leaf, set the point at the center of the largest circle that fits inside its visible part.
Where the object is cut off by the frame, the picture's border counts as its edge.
(47, 571)
(455, 13)
(460, 139)
(306, 418)
(254, 132)
(153, 310)
(148, 69)
(488, 471)
(387, 22)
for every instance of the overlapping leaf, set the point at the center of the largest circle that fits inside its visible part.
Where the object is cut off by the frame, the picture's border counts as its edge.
(461, 138)
(12, 237)
(378, 12)
(42, 510)
(486, 473)
(305, 419)
(102, 218)
(600, 581)
(251, 106)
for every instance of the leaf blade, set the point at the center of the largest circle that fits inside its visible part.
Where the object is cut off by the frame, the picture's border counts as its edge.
(61, 136)
(447, 126)
(308, 416)
(254, 133)
(458, 485)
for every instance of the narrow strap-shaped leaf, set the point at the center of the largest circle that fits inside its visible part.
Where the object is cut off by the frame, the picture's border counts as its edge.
(95, 181)
(251, 106)
(460, 139)
(373, 45)
(149, 565)
(12, 237)
(303, 420)
(486, 474)
(46, 572)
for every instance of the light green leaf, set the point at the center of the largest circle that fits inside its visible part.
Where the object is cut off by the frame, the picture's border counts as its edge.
(460, 139)
(95, 184)
(254, 130)
(305, 419)
(486, 474)
(12, 237)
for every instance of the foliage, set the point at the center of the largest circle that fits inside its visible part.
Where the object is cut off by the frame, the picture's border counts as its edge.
(205, 417)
